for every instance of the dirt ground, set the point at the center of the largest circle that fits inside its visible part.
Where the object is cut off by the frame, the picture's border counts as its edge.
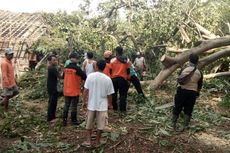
(130, 134)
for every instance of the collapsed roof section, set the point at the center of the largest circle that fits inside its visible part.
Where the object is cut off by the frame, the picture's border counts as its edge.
(20, 30)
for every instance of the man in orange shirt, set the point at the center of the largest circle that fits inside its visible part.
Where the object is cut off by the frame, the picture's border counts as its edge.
(72, 79)
(108, 56)
(10, 88)
(107, 71)
(120, 67)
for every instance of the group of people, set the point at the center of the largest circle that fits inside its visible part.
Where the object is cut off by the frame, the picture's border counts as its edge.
(102, 81)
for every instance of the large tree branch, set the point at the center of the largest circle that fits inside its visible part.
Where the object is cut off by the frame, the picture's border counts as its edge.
(214, 75)
(213, 57)
(183, 57)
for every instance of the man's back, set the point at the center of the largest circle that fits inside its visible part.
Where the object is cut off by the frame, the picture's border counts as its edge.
(193, 82)
(120, 67)
(72, 80)
(99, 86)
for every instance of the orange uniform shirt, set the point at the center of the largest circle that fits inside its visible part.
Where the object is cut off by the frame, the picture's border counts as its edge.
(8, 78)
(71, 83)
(107, 69)
(119, 69)
(72, 80)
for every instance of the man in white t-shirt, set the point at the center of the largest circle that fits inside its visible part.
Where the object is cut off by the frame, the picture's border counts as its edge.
(98, 93)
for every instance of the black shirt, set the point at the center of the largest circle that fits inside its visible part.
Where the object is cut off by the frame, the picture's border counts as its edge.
(52, 79)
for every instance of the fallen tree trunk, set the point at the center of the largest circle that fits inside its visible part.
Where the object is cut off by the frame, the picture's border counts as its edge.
(183, 57)
(214, 75)
(213, 57)
(167, 61)
(176, 50)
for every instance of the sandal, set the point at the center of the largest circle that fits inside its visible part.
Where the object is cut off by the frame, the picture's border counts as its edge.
(86, 144)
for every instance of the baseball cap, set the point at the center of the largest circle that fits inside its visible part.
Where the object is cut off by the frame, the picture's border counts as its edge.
(138, 53)
(9, 51)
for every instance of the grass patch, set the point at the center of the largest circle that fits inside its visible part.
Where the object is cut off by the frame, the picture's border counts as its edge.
(225, 103)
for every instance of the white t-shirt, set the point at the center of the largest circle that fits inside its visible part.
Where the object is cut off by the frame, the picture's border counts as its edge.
(99, 86)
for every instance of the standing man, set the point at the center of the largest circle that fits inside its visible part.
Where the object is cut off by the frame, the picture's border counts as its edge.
(10, 88)
(72, 80)
(52, 81)
(89, 65)
(135, 81)
(139, 64)
(120, 67)
(187, 92)
(99, 90)
(107, 56)
(107, 70)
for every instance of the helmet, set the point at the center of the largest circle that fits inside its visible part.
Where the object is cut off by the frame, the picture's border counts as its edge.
(107, 54)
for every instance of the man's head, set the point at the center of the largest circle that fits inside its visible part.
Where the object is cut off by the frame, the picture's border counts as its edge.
(9, 53)
(138, 54)
(108, 54)
(101, 65)
(53, 60)
(119, 51)
(73, 57)
(193, 58)
(89, 55)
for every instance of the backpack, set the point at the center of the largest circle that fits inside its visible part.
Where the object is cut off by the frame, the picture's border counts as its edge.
(183, 79)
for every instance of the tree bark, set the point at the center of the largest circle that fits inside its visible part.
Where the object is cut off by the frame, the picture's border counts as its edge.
(213, 57)
(176, 50)
(40, 62)
(167, 61)
(205, 31)
(183, 57)
(184, 34)
(214, 75)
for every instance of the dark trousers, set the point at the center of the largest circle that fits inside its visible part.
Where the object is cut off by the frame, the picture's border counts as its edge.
(32, 65)
(120, 85)
(135, 81)
(52, 105)
(73, 101)
(184, 100)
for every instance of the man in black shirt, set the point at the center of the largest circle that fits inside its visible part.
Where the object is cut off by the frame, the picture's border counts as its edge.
(52, 81)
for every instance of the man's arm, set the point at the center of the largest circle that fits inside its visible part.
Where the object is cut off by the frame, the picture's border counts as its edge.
(4, 74)
(85, 96)
(200, 82)
(109, 97)
(81, 73)
(128, 68)
(144, 64)
(83, 65)
(94, 66)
